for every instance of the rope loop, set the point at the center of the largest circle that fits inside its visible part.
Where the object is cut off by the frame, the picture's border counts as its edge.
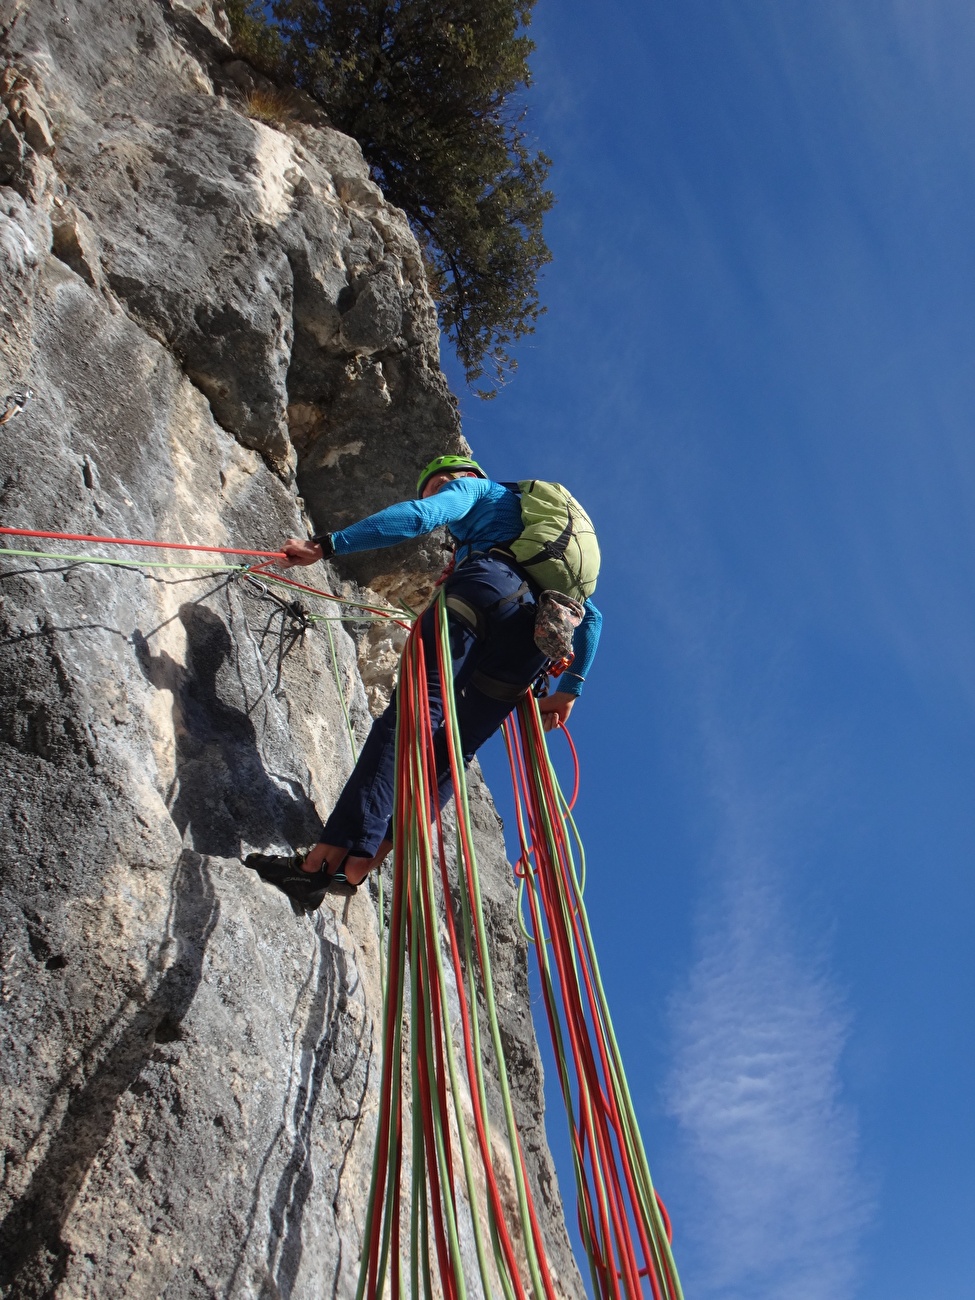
(622, 1223)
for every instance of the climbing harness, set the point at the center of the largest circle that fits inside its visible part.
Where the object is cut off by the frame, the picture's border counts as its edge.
(450, 1160)
(15, 403)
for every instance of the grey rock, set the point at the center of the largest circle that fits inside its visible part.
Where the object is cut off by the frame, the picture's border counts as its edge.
(188, 1071)
(21, 104)
(203, 19)
(36, 130)
(11, 148)
(230, 242)
(74, 243)
(17, 247)
(358, 190)
(186, 1036)
(375, 318)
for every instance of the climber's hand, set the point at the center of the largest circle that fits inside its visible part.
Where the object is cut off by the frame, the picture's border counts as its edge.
(300, 552)
(555, 709)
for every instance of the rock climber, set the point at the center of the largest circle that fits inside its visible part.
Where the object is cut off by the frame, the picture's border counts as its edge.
(491, 616)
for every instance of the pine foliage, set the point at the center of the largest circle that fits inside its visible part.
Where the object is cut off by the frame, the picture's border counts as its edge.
(430, 89)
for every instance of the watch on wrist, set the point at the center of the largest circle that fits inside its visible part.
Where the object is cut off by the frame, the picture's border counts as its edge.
(324, 540)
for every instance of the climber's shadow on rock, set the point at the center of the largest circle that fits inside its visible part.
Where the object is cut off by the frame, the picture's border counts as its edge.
(33, 1254)
(222, 794)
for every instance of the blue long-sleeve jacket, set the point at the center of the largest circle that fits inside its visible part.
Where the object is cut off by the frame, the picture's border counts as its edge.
(480, 514)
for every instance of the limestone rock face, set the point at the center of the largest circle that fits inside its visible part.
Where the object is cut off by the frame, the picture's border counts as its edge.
(215, 313)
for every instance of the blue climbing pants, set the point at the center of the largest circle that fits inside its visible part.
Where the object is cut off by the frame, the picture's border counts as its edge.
(491, 620)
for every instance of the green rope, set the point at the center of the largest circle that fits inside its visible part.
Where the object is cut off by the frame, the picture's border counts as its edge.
(347, 618)
(632, 1137)
(422, 1007)
(426, 916)
(478, 1081)
(123, 564)
(565, 1083)
(371, 614)
(426, 865)
(427, 972)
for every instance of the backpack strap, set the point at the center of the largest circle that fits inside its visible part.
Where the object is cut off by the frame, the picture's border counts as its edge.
(553, 550)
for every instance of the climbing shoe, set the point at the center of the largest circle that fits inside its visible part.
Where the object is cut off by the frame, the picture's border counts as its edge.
(274, 867)
(305, 889)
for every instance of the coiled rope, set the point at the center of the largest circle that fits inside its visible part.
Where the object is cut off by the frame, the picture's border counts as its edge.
(437, 1215)
(623, 1226)
(622, 1222)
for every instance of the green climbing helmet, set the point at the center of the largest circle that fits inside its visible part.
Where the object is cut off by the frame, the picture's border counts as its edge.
(447, 465)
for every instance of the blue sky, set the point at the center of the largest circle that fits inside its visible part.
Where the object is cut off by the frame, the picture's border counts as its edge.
(757, 372)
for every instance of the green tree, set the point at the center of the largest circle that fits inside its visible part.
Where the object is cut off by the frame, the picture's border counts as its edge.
(432, 91)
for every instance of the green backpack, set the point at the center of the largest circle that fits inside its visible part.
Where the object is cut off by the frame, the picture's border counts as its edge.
(557, 546)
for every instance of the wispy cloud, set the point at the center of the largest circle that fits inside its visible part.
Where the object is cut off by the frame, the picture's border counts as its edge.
(771, 1147)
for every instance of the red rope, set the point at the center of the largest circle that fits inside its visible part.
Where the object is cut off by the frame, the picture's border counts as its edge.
(327, 595)
(467, 856)
(603, 1102)
(267, 556)
(519, 775)
(608, 1122)
(626, 1239)
(416, 784)
(390, 1136)
(612, 1223)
